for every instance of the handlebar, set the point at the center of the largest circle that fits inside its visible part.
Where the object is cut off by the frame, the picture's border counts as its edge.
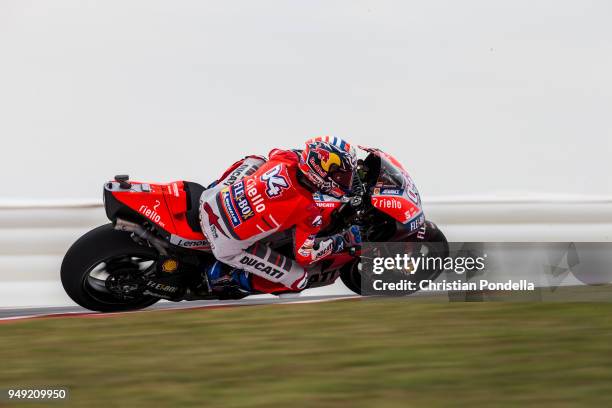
(347, 214)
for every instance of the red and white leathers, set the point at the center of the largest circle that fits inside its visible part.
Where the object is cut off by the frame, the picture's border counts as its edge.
(257, 198)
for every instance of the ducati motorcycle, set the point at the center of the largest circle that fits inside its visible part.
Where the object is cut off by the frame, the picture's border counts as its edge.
(154, 247)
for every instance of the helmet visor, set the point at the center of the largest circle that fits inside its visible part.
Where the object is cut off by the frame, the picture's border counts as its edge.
(342, 177)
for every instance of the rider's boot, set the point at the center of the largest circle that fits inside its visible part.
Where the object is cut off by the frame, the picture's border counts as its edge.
(227, 282)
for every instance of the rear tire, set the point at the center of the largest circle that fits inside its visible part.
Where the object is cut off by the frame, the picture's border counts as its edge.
(100, 246)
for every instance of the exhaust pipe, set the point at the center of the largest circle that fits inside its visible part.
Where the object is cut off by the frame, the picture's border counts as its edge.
(139, 231)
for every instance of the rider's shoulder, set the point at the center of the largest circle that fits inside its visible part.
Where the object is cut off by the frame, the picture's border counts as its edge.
(289, 157)
(280, 171)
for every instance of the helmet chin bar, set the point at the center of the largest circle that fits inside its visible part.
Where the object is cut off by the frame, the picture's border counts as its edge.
(315, 180)
(333, 190)
(326, 187)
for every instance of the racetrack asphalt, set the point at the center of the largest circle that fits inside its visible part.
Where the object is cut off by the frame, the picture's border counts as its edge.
(31, 312)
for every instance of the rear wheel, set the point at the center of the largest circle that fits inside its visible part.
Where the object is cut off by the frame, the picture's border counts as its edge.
(100, 271)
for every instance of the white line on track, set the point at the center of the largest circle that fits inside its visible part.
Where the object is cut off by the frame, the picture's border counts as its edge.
(7, 315)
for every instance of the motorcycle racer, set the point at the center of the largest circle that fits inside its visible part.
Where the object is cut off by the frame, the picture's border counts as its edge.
(256, 198)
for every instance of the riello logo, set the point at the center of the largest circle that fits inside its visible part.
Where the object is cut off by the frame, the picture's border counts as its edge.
(151, 213)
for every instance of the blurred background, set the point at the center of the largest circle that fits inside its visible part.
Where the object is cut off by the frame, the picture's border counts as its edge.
(500, 110)
(475, 97)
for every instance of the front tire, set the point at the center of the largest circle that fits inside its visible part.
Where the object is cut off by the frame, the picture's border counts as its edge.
(350, 274)
(98, 255)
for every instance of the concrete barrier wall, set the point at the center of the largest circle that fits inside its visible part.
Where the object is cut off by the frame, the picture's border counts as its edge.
(468, 102)
(34, 236)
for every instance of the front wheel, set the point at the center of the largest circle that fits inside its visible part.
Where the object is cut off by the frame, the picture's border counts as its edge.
(432, 243)
(100, 270)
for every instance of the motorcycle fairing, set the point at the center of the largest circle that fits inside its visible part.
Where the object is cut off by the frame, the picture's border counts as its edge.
(395, 193)
(165, 205)
(327, 204)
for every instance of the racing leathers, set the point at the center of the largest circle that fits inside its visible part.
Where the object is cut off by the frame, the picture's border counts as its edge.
(254, 199)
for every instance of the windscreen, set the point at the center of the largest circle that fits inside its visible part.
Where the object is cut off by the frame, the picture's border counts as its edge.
(390, 175)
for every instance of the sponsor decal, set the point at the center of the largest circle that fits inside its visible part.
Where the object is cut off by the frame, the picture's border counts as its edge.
(152, 213)
(322, 204)
(213, 221)
(275, 181)
(317, 196)
(170, 265)
(392, 191)
(317, 221)
(245, 211)
(241, 171)
(389, 203)
(231, 179)
(213, 231)
(325, 201)
(322, 154)
(412, 212)
(325, 249)
(257, 200)
(412, 192)
(189, 243)
(306, 249)
(260, 266)
(162, 287)
(215, 235)
(416, 223)
(317, 168)
(327, 158)
(229, 207)
(422, 231)
(327, 276)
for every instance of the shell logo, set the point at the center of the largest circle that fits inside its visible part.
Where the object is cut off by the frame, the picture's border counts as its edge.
(169, 265)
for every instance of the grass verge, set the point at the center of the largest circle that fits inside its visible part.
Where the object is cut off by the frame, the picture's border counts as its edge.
(383, 353)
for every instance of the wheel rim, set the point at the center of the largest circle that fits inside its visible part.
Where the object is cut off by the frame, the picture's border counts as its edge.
(96, 277)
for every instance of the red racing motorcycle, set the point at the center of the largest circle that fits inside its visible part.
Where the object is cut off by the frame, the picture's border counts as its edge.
(154, 247)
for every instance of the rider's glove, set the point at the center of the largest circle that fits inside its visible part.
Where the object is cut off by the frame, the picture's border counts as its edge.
(352, 236)
(347, 239)
(337, 243)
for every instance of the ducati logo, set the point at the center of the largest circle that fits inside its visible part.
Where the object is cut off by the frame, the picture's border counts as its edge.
(275, 181)
(260, 266)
